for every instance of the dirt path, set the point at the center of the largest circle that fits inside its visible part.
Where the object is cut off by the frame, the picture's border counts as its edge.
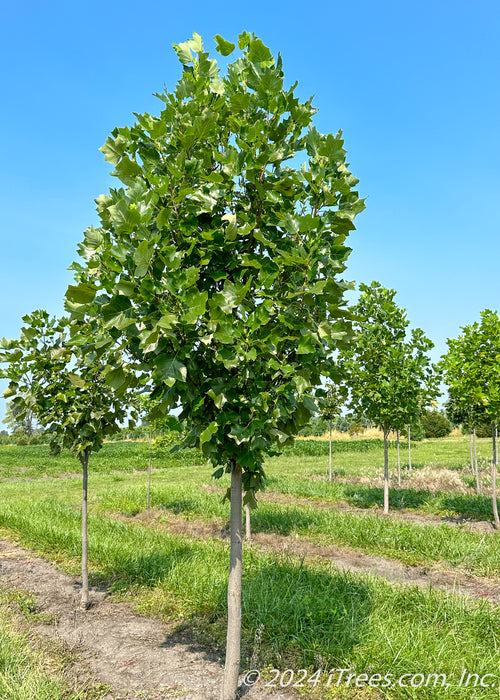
(137, 656)
(342, 557)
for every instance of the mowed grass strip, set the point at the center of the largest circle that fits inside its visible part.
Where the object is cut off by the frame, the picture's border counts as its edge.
(442, 503)
(295, 614)
(27, 670)
(410, 543)
(297, 473)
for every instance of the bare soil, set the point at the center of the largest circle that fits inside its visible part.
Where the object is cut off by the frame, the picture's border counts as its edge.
(138, 657)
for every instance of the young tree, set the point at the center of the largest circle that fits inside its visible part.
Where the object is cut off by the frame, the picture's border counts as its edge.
(472, 371)
(389, 378)
(145, 406)
(15, 423)
(331, 407)
(220, 263)
(61, 382)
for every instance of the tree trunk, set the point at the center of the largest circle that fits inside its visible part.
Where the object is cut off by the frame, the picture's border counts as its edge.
(248, 528)
(149, 475)
(476, 467)
(494, 478)
(233, 640)
(399, 459)
(386, 472)
(84, 459)
(470, 447)
(330, 454)
(409, 447)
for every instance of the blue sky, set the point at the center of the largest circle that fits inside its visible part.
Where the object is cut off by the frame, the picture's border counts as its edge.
(414, 86)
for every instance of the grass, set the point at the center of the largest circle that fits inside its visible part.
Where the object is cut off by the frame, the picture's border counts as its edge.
(35, 461)
(179, 490)
(442, 503)
(296, 613)
(28, 669)
(411, 543)
(304, 614)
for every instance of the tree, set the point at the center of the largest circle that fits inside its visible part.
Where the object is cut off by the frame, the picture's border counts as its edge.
(145, 406)
(390, 379)
(15, 423)
(220, 264)
(472, 371)
(331, 407)
(61, 380)
(436, 425)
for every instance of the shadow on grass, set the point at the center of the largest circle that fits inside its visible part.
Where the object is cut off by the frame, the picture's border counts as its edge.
(291, 616)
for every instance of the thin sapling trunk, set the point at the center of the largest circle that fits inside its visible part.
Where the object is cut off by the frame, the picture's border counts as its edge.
(84, 459)
(409, 447)
(149, 475)
(233, 640)
(494, 477)
(476, 467)
(248, 527)
(386, 471)
(471, 454)
(399, 459)
(330, 454)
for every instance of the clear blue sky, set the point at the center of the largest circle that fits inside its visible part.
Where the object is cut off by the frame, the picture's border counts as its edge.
(414, 86)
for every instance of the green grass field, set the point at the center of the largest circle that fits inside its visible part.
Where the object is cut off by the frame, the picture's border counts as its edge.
(296, 611)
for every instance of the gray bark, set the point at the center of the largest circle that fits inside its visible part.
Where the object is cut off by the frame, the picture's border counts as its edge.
(149, 475)
(399, 458)
(248, 527)
(476, 467)
(330, 454)
(471, 455)
(494, 478)
(409, 447)
(84, 459)
(233, 640)
(386, 472)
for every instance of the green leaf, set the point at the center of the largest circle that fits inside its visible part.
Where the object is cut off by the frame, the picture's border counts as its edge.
(82, 293)
(167, 321)
(208, 433)
(218, 399)
(142, 257)
(258, 53)
(115, 307)
(183, 52)
(231, 230)
(243, 40)
(196, 43)
(169, 369)
(113, 149)
(224, 47)
(116, 378)
(76, 380)
(306, 345)
(197, 304)
(127, 169)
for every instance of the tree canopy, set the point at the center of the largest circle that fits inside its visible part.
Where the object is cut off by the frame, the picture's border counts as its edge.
(220, 257)
(390, 377)
(61, 381)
